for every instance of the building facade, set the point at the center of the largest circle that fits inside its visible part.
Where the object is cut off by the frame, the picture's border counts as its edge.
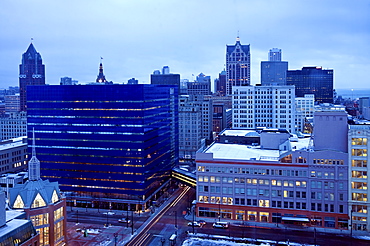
(12, 103)
(111, 144)
(13, 155)
(238, 66)
(277, 181)
(31, 72)
(13, 125)
(264, 106)
(190, 129)
(220, 84)
(359, 204)
(273, 71)
(312, 80)
(304, 107)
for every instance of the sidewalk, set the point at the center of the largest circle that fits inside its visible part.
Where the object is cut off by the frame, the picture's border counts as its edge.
(355, 234)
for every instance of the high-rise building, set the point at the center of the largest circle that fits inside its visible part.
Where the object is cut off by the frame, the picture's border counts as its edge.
(273, 71)
(133, 81)
(220, 84)
(312, 80)
(13, 125)
(359, 204)
(190, 129)
(31, 72)
(166, 78)
(202, 86)
(304, 107)
(238, 62)
(112, 145)
(12, 103)
(264, 106)
(275, 54)
(68, 81)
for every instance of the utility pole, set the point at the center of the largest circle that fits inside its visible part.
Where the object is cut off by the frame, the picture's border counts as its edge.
(77, 216)
(193, 218)
(176, 221)
(132, 222)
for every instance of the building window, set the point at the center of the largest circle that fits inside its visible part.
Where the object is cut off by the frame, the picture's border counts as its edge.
(359, 141)
(359, 152)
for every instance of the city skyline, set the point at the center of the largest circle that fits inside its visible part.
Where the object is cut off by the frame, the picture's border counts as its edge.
(138, 37)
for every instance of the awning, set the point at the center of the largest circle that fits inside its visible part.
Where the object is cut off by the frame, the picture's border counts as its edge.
(296, 219)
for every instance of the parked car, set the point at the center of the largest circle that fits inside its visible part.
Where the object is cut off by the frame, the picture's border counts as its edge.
(195, 223)
(109, 213)
(220, 224)
(201, 222)
(124, 220)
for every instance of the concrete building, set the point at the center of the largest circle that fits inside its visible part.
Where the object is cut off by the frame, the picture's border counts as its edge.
(190, 129)
(9, 180)
(68, 81)
(202, 85)
(359, 204)
(238, 66)
(166, 78)
(13, 125)
(264, 106)
(12, 103)
(278, 181)
(304, 107)
(13, 155)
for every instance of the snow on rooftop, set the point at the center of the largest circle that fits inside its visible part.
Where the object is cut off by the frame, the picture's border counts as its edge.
(248, 152)
(236, 132)
(241, 152)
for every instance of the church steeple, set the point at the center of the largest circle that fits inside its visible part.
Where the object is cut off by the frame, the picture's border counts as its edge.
(101, 77)
(34, 163)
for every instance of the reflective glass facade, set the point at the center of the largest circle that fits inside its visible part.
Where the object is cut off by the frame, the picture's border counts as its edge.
(120, 140)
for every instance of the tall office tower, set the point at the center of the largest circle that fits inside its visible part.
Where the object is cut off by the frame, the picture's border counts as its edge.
(204, 103)
(190, 129)
(43, 204)
(275, 54)
(359, 168)
(304, 107)
(112, 145)
(202, 86)
(166, 78)
(264, 106)
(312, 80)
(238, 66)
(273, 71)
(220, 84)
(13, 125)
(12, 103)
(31, 72)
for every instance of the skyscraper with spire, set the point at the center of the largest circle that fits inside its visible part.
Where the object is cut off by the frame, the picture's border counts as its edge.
(238, 65)
(31, 72)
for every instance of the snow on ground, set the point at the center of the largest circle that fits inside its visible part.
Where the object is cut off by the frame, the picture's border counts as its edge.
(207, 242)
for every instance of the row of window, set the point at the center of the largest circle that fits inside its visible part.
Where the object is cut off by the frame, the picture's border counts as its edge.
(254, 171)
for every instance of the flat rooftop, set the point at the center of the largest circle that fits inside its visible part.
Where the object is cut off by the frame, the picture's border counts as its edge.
(237, 132)
(248, 152)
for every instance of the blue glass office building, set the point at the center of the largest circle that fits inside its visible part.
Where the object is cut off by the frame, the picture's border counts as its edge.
(117, 140)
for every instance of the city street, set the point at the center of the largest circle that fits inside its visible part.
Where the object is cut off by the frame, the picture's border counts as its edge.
(169, 219)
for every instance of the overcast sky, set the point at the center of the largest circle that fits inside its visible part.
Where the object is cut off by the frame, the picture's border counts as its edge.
(136, 37)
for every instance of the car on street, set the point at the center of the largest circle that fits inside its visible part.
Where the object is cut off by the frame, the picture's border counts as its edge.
(109, 213)
(219, 224)
(195, 223)
(124, 220)
(201, 222)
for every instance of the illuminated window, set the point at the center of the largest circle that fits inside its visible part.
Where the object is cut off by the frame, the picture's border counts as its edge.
(359, 141)
(58, 230)
(38, 202)
(58, 214)
(359, 152)
(18, 202)
(55, 197)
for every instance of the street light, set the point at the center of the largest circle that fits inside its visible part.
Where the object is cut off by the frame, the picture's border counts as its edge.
(219, 209)
(115, 238)
(351, 222)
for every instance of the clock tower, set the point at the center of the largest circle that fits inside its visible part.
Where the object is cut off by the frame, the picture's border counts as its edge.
(31, 72)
